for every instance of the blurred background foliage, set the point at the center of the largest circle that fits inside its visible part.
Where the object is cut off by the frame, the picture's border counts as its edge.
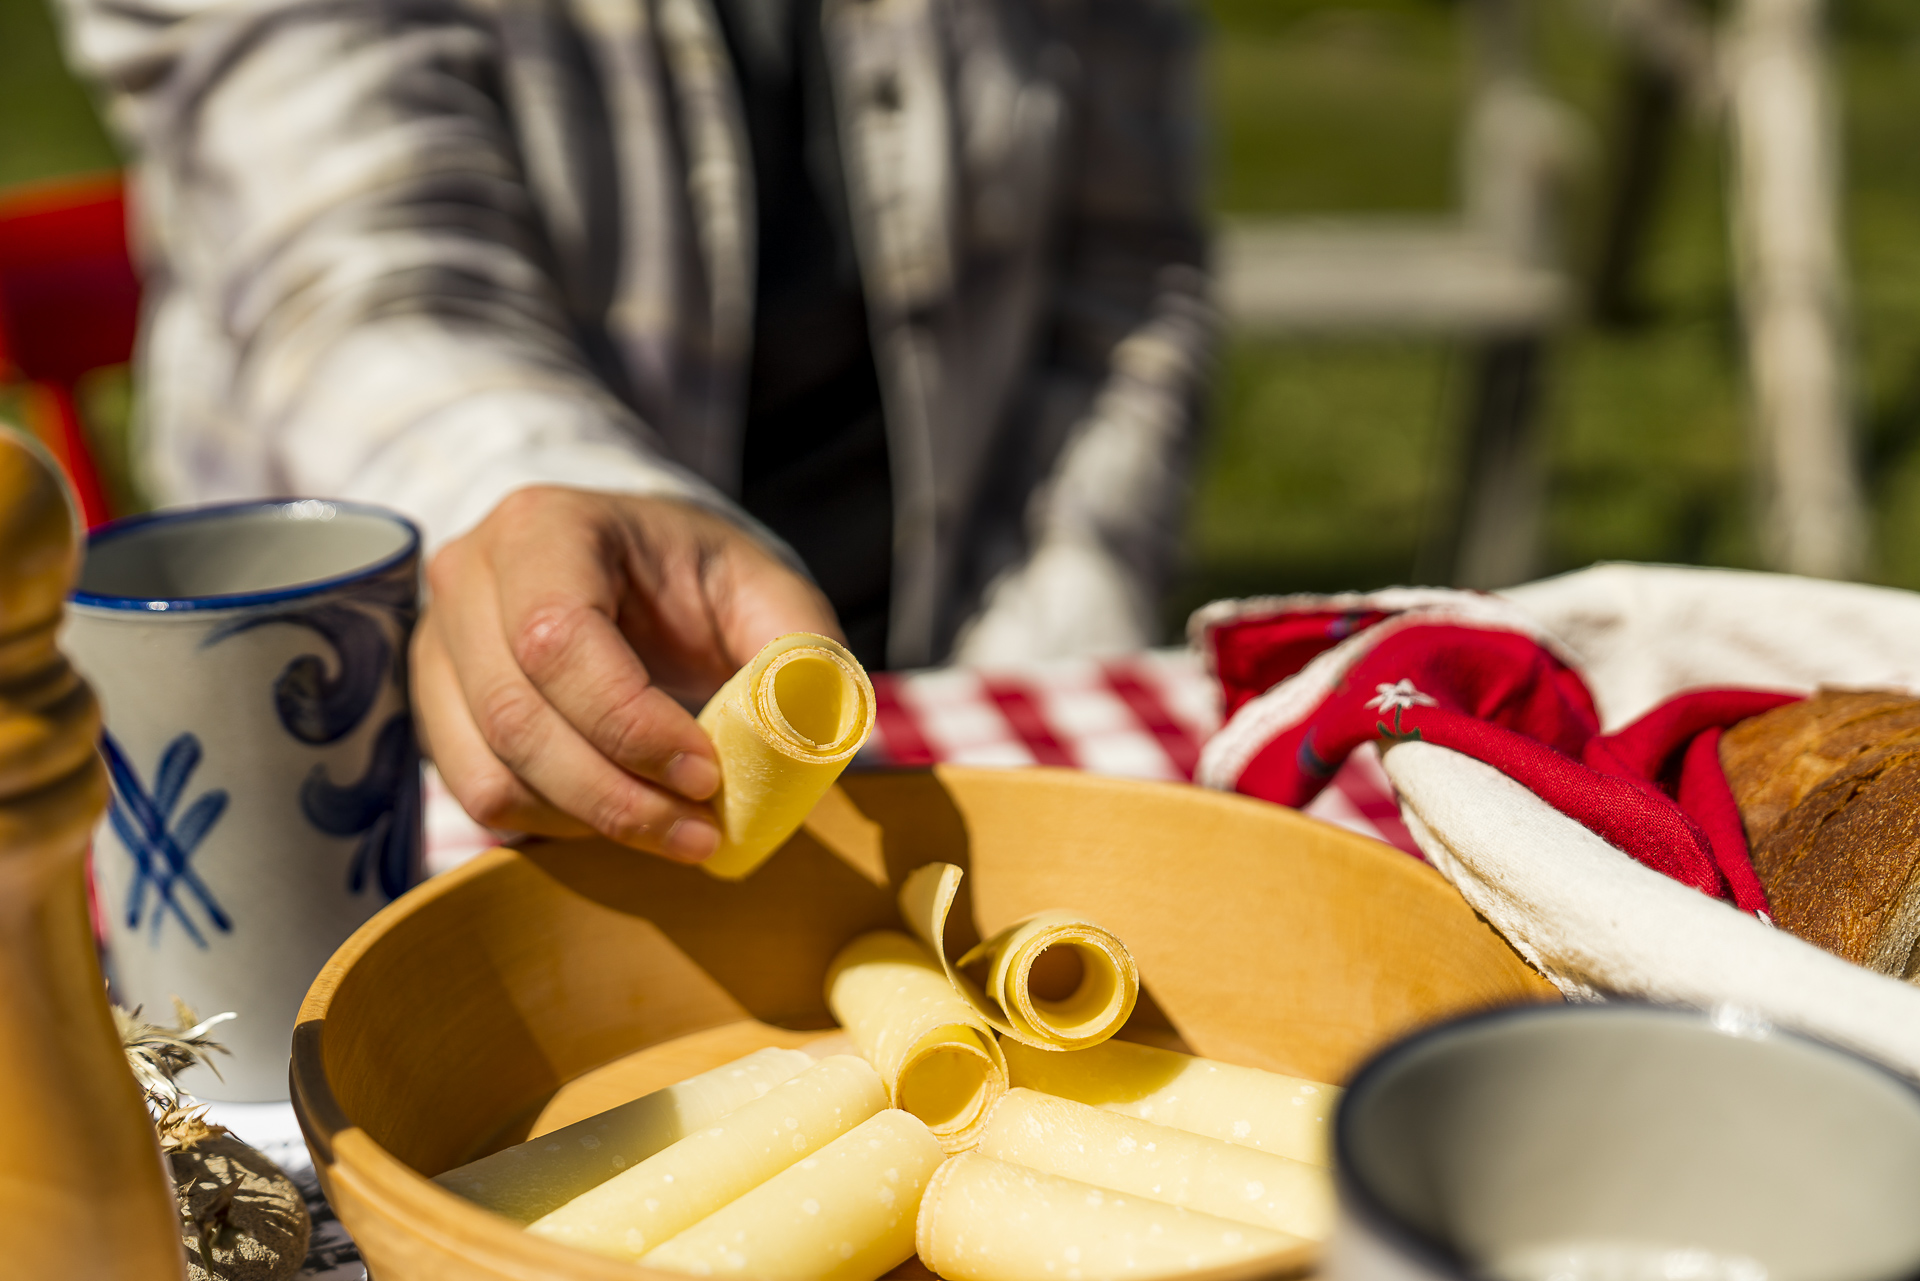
(1329, 464)
(47, 126)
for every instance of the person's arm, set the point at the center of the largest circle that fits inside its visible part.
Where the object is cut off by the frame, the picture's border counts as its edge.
(345, 255)
(346, 265)
(1132, 334)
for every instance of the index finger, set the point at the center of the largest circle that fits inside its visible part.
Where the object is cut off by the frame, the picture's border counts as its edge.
(558, 599)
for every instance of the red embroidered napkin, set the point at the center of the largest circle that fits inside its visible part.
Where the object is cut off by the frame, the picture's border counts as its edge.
(1314, 684)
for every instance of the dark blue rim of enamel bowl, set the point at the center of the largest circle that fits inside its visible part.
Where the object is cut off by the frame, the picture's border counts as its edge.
(239, 600)
(1358, 1198)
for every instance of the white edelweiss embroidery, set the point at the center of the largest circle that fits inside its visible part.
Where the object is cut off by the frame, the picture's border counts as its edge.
(1398, 697)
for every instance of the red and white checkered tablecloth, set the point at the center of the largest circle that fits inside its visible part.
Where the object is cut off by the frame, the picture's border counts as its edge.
(1136, 716)
(1140, 715)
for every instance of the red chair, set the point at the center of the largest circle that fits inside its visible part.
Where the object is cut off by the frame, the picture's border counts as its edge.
(69, 304)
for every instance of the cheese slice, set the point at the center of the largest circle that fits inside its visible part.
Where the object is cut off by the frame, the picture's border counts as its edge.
(527, 1180)
(675, 1188)
(986, 1220)
(939, 1058)
(1108, 1150)
(1280, 1114)
(846, 1213)
(783, 728)
(1101, 985)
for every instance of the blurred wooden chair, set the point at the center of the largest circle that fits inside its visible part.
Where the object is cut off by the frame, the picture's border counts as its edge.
(1760, 72)
(1491, 275)
(69, 304)
(1494, 276)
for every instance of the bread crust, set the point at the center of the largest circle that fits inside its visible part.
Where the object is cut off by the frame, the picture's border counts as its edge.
(1773, 760)
(1829, 794)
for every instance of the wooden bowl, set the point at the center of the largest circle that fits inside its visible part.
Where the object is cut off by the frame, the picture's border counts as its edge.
(532, 987)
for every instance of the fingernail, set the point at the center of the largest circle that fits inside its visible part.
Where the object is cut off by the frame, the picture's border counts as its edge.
(694, 777)
(692, 839)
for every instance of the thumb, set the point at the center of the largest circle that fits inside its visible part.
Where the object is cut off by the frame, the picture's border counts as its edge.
(768, 600)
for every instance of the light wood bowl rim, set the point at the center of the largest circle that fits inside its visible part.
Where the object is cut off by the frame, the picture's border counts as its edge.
(345, 1153)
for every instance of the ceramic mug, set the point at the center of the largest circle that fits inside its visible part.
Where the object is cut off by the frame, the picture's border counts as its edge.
(250, 661)
(1625, 1143)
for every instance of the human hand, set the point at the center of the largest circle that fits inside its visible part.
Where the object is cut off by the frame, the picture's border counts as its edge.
(562, 636)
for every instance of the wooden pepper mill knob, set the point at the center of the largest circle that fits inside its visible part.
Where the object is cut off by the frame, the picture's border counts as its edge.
(83, 1188)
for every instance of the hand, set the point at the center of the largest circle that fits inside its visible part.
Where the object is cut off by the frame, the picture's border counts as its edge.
(563, 634)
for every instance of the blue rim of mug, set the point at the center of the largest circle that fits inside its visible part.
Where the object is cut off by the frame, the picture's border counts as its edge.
(239, 600)
(1381, 1221)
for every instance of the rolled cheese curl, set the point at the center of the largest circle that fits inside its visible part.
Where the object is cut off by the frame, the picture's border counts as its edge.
(529, 1179)
(846, 1213)
(987, 1220)
(677, 1187)
(1284, 1115)
(940, 1060)
(1123, 1154)
(783, 727)
(1104, 981)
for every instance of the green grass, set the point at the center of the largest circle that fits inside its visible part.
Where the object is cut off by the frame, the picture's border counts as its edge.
(1328, 464)
(1325, 108)
(47, 126)
(1883, 231)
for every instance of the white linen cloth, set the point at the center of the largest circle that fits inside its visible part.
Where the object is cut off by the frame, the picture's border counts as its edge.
(1592, 919)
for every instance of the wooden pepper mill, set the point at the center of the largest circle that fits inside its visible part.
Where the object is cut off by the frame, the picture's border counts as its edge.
(83, 1190)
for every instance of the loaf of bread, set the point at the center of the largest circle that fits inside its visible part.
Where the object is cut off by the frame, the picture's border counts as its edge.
(1829, 793)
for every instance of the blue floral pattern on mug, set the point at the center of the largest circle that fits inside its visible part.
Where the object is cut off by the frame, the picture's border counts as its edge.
(161, 848)
(382, 808)
(367, 631)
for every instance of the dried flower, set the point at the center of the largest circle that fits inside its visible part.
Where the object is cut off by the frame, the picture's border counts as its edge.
(212, 1222)
(157, 1054)
(185, 1129)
